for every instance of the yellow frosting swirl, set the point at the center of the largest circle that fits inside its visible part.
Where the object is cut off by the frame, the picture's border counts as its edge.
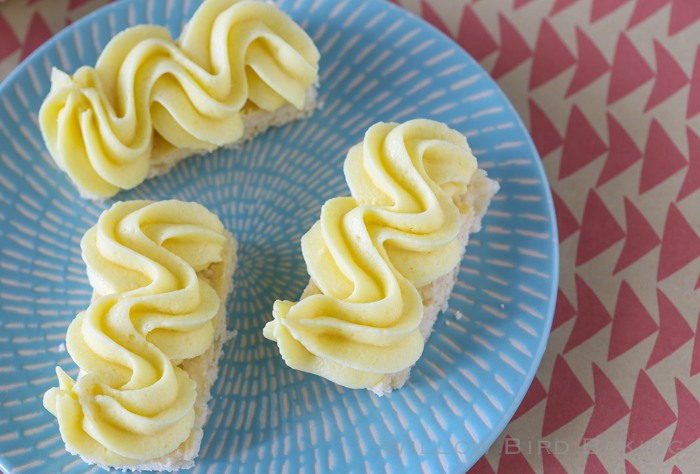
(369, 252)
(99, 124)
(131, 402)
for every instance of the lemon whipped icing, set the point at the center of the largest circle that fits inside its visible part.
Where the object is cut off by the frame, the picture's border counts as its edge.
(238, 67)
(156, 309)
(370, 254)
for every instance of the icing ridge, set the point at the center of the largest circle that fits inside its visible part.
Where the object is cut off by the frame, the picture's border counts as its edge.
(101, 123)
(131, 402)
(368, 253)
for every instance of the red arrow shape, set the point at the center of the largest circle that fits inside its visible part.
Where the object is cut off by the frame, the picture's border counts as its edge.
(688, 428)
(623, 152)
(582, 144)
(591, 63)
(694, 97)
(592, 316)
(670, 77)
(644, 9)
(38, 33)
(629, 70)
(552, 57)
(544, 133)
(567, 399)
(632, 323)
(593, 465)
(8, 40)
(662, 159)
(550, 463)
(674, 331)
(512, 459)
(433, 18)
(680, 244)
(683, 14)
(535, 394)
(514, 49)
(629, 468)
(641, 238)
(482, 466)
(609, 406)
(692, 178)
(599, 230)
(650, 413)
(474, 37)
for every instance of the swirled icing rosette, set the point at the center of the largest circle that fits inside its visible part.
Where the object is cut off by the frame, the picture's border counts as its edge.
(369, 253)
(132, 402)
(148, 94)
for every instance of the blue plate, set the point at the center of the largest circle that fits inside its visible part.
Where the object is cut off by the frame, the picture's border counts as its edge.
(379, 63)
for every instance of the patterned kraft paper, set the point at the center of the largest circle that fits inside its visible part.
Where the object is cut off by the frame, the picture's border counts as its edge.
(610, 90)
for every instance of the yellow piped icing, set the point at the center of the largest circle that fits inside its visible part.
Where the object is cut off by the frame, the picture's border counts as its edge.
(131, 403)
(369, 253)
(100, 124)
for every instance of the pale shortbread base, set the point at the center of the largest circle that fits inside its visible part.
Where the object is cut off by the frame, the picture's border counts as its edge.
(256, 121)
(436, 294)
(203, 369)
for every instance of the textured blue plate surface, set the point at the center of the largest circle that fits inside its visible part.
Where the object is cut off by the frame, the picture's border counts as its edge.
(378, 63)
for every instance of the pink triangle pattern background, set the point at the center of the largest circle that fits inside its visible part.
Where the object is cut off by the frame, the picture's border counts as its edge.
(610, 91)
